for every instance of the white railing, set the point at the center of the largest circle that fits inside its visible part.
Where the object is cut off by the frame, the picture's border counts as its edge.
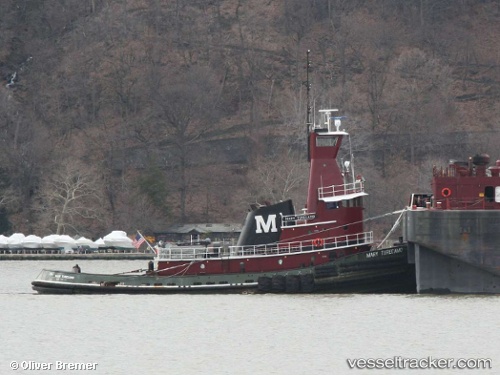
(339, 190)
(190, 253)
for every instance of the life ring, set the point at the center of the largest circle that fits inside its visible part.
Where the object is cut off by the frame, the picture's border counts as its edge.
(446, 192)
(318, 242)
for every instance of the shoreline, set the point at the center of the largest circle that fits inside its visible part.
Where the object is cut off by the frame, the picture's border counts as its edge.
(96, 256)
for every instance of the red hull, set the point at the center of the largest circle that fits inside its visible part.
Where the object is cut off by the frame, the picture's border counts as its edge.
(263, 264)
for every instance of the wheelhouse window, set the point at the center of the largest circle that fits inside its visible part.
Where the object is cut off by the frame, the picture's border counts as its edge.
(356, 202)
(332, 205)
(326, 140)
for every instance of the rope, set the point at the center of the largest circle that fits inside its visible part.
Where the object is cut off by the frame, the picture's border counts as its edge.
(182, 271)
(134, 271)
(340, 226)
(396, 224)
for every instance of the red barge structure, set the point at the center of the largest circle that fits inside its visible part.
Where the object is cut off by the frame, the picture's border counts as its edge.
(453, 232)
(323, 248)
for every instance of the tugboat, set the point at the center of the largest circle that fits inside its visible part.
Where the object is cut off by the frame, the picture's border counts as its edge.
(323, 248)
(453, 232)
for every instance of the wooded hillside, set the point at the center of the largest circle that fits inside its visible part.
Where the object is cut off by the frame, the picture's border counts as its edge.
(136, 114)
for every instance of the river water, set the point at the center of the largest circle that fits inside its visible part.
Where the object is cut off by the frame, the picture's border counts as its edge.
(233, 334)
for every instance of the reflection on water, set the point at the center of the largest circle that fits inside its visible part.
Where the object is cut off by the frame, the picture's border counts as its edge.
(235, 334)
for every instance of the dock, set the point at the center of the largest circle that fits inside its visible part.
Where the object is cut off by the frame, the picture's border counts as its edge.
(88, 256)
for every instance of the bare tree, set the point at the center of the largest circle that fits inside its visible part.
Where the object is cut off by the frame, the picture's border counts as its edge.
(281, 176)
(23, 151)
(186, 110)
(71, 196)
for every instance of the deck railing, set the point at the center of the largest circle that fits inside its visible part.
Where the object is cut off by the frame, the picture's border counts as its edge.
(338, 190)
(465, 204)
(190, 253)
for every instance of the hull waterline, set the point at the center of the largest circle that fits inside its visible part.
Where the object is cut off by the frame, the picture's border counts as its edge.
(376, 271)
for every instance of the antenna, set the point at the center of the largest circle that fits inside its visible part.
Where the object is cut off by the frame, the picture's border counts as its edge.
(308, 87)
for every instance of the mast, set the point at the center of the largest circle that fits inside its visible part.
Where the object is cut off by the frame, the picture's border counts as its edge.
(308, 118)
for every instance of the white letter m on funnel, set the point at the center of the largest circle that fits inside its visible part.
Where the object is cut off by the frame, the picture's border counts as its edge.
(263, 226)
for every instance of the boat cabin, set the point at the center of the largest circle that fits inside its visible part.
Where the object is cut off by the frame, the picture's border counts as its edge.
(464, 185)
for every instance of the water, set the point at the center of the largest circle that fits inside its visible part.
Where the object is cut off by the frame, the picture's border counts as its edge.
(234, 334)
